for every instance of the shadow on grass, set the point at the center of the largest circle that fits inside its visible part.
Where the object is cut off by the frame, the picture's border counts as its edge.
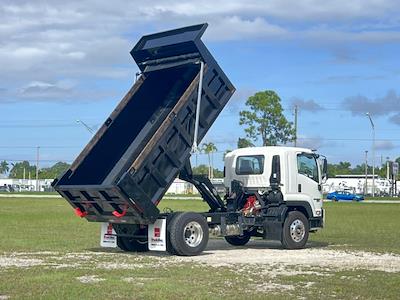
(215, 245)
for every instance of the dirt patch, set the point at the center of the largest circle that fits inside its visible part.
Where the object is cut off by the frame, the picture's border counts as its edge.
(9, 262)
(272, 287)
(119, 266)
(326, 259)
(89, 279)
(270, 262)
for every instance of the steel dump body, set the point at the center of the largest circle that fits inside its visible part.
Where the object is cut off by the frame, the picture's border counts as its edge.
(129, 164)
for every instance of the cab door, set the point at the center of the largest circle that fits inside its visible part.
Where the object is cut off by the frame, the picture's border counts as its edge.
(308, 179)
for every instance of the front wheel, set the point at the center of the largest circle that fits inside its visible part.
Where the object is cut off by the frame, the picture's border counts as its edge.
(238, 240)
(295, 231)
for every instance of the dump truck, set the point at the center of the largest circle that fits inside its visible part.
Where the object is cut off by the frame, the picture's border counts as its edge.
(122, 174)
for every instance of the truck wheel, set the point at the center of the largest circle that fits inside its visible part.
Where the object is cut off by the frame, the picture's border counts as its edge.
(170, 249)
(188, 234)
(131, 244)
(295, 231)
(238, 240)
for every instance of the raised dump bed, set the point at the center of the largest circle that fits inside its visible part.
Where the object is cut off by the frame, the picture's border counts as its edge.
(127, 167)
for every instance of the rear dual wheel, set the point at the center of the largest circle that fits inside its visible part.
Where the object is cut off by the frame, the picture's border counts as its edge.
(128, 240)
(187, 234)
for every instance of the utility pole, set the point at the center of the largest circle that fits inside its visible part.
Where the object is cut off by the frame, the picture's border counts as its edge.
(37, 169)
(366, 173)
(373, 153)
(295, 125)
(387, 168)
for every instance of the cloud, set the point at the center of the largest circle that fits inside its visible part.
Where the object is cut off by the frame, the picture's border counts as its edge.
(237, 28)
(292, 10)
(236, 103)
(349, 79)
(343, 55)
(384, 145)
(39, 89)
(51, 40)
(388, 105)
(395, 119)
(306, 105)
(345, 35)
(316, 142)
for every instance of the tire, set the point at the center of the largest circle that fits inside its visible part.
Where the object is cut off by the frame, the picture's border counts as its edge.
(238, 240)
(188, 234)
(170, 249)
(131, 244)
(295, 231)
(334, 199)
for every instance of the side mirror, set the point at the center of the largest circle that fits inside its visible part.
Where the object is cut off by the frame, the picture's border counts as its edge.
(275, 178)
(324, 170)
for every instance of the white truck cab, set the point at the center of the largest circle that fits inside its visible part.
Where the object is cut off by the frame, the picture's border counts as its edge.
(301, 176)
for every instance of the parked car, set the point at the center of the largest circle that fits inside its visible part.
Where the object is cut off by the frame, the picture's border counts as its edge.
(344, 195)
(4, 189)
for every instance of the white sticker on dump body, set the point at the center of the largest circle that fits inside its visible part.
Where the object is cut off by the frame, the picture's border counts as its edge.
(108, 236)
(157, 235)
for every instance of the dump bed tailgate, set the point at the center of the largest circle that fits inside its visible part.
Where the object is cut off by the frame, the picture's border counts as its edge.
(127, 167)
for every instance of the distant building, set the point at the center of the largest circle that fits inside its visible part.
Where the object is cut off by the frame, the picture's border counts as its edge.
(356, 184)
(180, 186)
(26, 185)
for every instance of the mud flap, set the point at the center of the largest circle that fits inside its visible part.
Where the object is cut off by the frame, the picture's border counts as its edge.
(108, 236)
(272, 230)
(273, 225)
(157, 235)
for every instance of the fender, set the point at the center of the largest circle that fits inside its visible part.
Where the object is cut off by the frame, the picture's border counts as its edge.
(303, 204)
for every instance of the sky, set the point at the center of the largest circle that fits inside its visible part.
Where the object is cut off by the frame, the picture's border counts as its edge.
(63, 61)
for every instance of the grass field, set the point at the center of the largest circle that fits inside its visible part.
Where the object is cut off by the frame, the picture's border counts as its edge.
(47, 252)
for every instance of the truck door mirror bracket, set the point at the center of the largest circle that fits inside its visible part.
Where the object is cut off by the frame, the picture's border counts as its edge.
(324, 170)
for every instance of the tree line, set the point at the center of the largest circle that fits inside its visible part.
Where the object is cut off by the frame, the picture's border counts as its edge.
(263, 122)
(24, 169)
(345, 168)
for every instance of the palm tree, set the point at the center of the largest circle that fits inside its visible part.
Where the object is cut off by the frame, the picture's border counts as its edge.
(4, 168)
(209, 148)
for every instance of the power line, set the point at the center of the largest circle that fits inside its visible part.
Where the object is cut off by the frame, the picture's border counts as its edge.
(324, 139)
(34, 160)
(34, 147)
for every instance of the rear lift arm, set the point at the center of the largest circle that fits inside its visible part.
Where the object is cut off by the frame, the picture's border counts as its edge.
(205, 188)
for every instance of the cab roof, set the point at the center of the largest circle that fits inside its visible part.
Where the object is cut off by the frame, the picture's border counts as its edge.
(267, 150)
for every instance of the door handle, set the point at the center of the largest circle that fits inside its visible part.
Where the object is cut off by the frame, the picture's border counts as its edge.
(299, 188)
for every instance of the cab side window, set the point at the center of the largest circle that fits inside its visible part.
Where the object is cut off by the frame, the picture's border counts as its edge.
(307, 165)
(250, 165)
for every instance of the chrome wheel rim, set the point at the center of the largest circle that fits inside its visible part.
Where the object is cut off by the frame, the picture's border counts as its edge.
(193, 234)
(297, 230)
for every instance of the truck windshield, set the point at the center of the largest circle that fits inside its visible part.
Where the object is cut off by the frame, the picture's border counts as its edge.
(250, 164)
(307, 165)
